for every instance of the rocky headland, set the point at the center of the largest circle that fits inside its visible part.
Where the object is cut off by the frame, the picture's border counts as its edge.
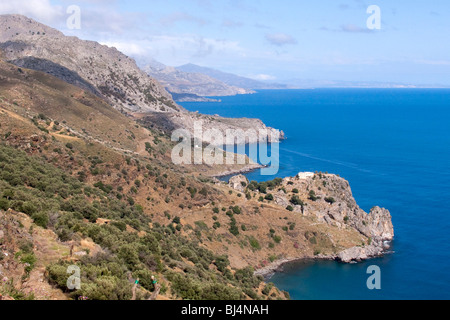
(327, 199)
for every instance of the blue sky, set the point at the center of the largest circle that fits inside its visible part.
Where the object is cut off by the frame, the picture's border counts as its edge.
(274, 40)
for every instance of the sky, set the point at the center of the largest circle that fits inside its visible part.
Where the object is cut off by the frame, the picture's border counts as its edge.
(268, 40)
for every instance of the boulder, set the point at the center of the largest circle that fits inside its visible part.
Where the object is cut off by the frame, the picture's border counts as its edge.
(305, 175)
(238, 183)
(281, 200)
(360, 253)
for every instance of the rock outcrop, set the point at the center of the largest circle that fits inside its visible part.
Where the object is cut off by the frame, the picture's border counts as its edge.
(238, 183)
(241, 130)
(359, 253)
(328, 199)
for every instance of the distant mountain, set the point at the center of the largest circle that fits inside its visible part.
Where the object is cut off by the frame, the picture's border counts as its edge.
(186, 84)
(313, 84)
(230, 79)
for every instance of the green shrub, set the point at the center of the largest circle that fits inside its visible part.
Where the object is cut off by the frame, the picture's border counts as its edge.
(4, 204)
(267, 289)
(29, 208)
(330, 200)
(312, 196)
(254, 243)
(30, 260)
(269, 197)
(40, 219)
(234, 229)
(296, 201)
(222, 263)
(176, 220)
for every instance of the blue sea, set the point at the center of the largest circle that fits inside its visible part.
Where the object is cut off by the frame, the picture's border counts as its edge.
(393, 146)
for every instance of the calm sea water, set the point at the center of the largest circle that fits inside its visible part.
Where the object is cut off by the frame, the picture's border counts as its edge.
(394, 148)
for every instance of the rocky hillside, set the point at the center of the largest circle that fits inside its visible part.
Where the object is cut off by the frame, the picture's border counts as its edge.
(239, 128)
(86, 185)
(326, 199)
(181, 82)
(102, 70)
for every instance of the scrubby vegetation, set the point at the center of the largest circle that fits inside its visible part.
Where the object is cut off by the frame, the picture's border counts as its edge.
(263, 187)
(60, 202)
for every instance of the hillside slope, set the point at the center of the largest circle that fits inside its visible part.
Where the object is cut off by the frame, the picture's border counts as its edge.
(114, 75)
(104, 72)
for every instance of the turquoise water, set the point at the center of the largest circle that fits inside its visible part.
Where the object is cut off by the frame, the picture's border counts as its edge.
(394, 148)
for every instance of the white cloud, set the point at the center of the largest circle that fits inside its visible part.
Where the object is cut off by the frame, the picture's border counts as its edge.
(175, 17)
(41, 10)
(176, 50)
(129, 48)
(280, 39)
(232, 24)
(434, 62)
(354, 29)
(263, 77)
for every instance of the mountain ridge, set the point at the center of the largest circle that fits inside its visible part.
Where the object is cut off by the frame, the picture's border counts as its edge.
(229, 78)
(115, 75)
(181, 82)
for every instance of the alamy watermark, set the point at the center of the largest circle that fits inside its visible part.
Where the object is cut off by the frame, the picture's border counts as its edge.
(226, 147)
(374, 281)
(73, 22)
(74, 281)
(374, 21)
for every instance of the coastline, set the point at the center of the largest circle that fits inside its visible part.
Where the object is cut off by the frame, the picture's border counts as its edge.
(277, 266)
(342, 257)
(246, 169)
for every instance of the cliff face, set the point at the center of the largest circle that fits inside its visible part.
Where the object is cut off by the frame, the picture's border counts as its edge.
(330, 199)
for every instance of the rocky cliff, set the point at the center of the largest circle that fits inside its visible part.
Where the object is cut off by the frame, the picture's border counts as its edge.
(328, 199)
